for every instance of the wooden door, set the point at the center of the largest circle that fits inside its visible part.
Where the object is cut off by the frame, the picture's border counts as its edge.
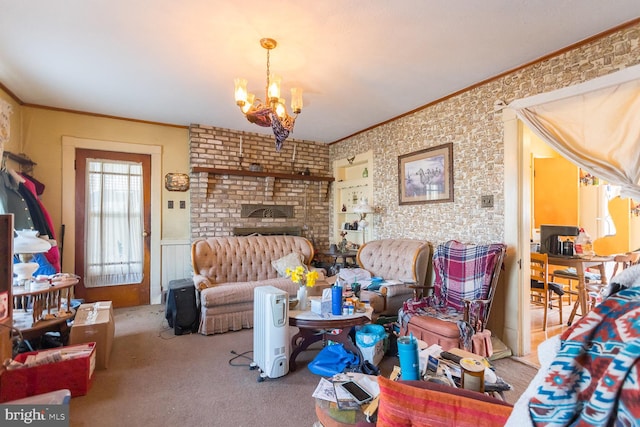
(122, 295)
(555, 191)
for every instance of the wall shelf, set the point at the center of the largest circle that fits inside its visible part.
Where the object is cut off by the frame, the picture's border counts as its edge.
(26, 164)
(240, 172)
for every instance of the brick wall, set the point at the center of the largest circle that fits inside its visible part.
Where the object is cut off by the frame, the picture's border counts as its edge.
(468, 121)
(216, 199)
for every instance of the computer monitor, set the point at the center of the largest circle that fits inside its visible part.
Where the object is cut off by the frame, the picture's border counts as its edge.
(549, 235)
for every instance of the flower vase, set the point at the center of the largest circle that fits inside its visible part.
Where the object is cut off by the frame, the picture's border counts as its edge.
(302, 298)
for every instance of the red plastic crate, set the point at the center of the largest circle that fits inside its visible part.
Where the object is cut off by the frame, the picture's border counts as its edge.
(73, 374)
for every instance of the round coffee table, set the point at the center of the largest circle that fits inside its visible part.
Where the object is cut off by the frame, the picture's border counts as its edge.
(313, 328)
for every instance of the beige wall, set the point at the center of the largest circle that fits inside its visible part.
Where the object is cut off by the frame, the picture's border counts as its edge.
(42, 131)
(38, 133)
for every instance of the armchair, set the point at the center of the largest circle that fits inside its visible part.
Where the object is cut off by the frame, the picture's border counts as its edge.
(399, 259)
(456, 312)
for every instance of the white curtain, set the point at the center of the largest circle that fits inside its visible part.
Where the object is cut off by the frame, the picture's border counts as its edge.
(595, 124)
(114, 223)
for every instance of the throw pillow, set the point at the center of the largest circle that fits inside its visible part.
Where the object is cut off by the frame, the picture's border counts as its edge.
(423, 403)
(291, 260)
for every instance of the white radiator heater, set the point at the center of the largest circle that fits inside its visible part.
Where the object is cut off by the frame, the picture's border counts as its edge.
(271, 331)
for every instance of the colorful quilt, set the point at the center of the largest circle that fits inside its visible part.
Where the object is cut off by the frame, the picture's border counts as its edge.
(594, 380)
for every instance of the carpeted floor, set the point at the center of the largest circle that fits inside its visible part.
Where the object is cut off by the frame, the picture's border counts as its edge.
(157, 378)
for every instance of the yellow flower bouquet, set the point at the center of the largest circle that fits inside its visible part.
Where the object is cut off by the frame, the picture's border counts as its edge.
(302, 276)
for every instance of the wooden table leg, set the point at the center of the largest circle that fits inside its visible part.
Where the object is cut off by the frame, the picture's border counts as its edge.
(582, 296)
(300, 342)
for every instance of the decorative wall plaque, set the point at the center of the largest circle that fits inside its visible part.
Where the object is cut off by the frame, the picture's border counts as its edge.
(176, 181)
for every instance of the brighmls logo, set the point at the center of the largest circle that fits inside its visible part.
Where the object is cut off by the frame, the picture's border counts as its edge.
(26, 417)
(35, 415)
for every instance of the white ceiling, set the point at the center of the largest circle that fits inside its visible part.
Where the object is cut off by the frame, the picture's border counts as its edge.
(360, 62)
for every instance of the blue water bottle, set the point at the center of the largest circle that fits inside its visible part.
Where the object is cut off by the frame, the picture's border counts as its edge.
(408, 355)
(336, 299)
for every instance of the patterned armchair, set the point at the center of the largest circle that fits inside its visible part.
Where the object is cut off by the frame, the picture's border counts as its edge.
(455, 314)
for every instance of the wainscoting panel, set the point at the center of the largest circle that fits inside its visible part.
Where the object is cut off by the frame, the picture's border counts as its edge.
(176, 261)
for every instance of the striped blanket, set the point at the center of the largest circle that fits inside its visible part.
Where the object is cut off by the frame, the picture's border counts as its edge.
(594, 380)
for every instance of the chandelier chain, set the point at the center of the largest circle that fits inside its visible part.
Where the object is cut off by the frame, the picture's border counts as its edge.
(266, 93)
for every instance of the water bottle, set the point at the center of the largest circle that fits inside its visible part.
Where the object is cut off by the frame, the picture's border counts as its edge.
(336, 299)
(408, 355)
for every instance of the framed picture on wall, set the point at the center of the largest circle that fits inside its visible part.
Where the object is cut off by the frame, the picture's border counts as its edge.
(426, 176)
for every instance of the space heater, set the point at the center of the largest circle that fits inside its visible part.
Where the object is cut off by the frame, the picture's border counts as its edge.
(271, 331)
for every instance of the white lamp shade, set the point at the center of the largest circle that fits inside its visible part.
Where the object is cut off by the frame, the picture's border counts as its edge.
(28, 242)
(363, 207)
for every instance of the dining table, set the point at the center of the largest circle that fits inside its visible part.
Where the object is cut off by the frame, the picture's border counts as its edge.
(581, 263)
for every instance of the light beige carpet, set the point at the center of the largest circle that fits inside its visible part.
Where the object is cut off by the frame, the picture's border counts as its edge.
(157, 378)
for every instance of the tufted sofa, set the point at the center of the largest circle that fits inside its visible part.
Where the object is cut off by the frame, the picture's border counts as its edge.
(227, 269)
(394, 259)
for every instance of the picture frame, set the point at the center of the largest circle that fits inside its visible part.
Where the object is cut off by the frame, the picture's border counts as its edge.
(426, 176)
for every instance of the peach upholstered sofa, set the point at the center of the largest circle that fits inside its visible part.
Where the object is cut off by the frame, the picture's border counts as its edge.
(227, 269)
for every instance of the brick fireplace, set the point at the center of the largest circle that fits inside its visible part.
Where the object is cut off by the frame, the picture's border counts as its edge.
(224, 203)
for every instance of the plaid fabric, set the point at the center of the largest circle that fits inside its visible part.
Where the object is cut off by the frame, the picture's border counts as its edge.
(463, 272)
(595, 378)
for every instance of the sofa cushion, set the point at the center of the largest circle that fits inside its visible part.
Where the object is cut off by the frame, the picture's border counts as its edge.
(237, 292)
(422, 403)
(292, 260)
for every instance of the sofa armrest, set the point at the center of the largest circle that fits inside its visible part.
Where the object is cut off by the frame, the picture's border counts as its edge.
(393, 290)
(201, 282)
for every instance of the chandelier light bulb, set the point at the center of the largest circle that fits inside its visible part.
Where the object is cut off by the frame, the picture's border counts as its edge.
(274, 87)
(240, 91)
(296, 100)
(251, 97)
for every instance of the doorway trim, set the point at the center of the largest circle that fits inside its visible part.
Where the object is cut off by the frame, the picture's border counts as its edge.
(517, 187)
(69, 145)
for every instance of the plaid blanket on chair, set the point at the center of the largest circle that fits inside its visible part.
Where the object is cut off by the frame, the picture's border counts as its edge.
(594, 380)
(462, 272)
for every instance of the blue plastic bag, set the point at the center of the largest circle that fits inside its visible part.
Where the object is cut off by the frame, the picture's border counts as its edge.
(369, 335)
(333, 359)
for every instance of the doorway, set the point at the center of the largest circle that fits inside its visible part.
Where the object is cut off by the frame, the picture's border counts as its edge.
(69, 146)
(112, 246)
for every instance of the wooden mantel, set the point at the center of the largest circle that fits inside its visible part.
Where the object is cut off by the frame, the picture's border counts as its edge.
(240, 172)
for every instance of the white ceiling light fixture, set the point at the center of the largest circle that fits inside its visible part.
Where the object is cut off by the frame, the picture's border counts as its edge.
(271, 112)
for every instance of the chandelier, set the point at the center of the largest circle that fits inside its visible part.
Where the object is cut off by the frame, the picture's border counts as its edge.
(272, 111)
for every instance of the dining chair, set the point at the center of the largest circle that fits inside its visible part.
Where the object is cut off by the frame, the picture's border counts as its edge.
(623, 261)
(592, 281)
(544, 292)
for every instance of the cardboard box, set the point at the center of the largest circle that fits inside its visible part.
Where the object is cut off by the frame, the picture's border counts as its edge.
(73, 372)
(94, 323)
